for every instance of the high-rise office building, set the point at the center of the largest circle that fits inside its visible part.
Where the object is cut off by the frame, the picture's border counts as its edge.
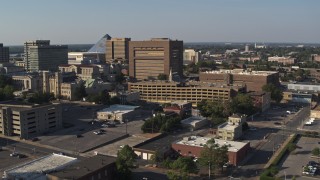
(117, 49)
(4, 54)
(40, 55)
(148, 59)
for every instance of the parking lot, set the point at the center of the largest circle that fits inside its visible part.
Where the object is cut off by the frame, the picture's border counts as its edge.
(7, 161)
(292, 165)
(313, 127)
(80, 137)
(112, 149)
(275, 117)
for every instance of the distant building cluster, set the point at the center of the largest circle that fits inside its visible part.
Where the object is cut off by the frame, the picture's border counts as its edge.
(282, 60)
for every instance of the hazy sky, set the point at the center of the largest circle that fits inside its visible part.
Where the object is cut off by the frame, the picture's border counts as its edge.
(86, 21)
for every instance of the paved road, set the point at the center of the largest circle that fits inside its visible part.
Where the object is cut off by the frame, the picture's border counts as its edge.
(255, 164)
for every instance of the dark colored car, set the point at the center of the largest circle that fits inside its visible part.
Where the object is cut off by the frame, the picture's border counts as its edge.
(313, 163)
(277, 123)
(79, 135)
(21, 156)
(35, 139)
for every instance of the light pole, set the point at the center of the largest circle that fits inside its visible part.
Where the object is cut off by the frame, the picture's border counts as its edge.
(209, 170)
(285, 175)
(126, 126)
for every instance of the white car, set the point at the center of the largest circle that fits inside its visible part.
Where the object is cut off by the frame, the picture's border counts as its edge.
(97, 132)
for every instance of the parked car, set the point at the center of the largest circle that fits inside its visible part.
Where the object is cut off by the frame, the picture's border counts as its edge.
(79, 135)
(21, 156)
(97, 132)
(34, 139)
(14, 154)
(277, 123)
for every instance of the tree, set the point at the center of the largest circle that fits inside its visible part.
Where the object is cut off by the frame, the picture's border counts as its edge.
(273, 170)
(40, 98)
(6, 93)
(119, 78)
(276, 93)
(171, 175)
(214, 109)
(316, 151)
(162, 77)
(245, 126)
(102, 97)
(213, 156)
(243, 104)
(160, 123)
(156, 157)
(291, 147)
(80, 92)
(185, 165)
(125, 162)
(5, 80)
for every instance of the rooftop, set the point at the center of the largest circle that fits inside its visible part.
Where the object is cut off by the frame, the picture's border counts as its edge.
(233, 146)
(160, 143)
(119, 108)
(241, 72)
(19, 105)
(38, 168)
(82, 168)
(189, 84)
(227, 126)
(193, 120)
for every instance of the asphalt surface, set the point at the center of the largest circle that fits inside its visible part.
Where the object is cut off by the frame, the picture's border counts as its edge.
(254, 166)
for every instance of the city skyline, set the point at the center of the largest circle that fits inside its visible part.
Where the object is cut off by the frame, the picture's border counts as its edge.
(83, 22)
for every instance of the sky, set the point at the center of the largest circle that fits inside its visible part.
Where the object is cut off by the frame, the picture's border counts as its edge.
(86, 21)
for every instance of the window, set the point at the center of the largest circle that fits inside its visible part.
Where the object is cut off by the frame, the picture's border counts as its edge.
(99, 176)
(105, 172)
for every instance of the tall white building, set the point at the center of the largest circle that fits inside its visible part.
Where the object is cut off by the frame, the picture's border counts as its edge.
(246, 48)
(190, 56)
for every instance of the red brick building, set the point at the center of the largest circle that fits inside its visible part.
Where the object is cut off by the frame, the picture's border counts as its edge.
(254, 80)
(192, 146)
(261, 100)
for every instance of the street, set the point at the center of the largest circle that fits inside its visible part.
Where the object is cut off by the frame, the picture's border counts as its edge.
(255, 165)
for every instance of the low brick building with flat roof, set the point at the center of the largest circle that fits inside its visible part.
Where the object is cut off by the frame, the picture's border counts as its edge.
(192, 146)
(254, 80)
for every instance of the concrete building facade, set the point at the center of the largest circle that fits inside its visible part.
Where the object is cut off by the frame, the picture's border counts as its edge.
(117, 112)
(191, 56)
(232, 129)
(117, 49)
(26, 121)
(148, 59)
(78, 58)
(4, 54)
(194, 92)
(83, 72)
(254, 80)
(40, 55)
